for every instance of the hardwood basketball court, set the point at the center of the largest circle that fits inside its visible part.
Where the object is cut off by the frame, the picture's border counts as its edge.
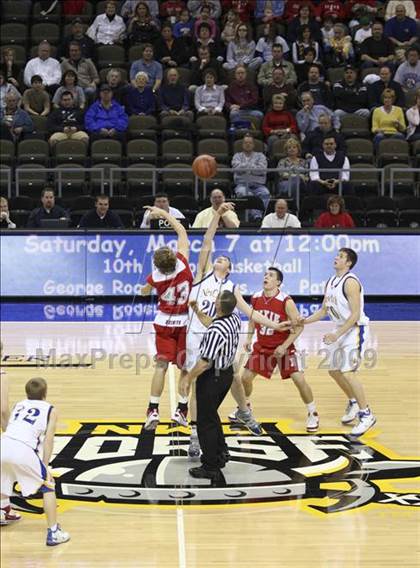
(100, 414)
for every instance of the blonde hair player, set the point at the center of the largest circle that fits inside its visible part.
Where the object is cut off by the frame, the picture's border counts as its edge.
(31, 428)
(344, 305)
(210, 280)
(172, 279)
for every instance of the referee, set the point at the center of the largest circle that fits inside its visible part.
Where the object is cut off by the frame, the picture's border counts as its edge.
(214, 370)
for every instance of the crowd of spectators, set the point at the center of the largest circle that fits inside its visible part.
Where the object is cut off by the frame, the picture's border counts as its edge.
(285, 70)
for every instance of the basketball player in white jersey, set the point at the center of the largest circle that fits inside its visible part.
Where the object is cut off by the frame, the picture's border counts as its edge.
(210, 280)
(344, 304)
(30, 431)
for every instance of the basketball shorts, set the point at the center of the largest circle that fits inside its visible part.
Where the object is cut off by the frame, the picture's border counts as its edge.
(263, 362)
(193, 349)
(171, 344)
(20, 463)
(347, 353)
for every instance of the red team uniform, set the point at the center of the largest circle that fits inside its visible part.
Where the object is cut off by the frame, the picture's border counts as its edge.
(262, 359)
(171, 320)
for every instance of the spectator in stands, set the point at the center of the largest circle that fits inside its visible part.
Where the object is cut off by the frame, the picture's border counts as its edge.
(45, 66)
(209, 98)
(319, 90)
(171, 9)
(101, 217)
(304, 17)
(335, 217)
(269, 11)
(8, 88)
(341, 50)
(391, 8)
(142, 28)
(327, 32)
(148, 65)
(161, 201)
(241, 51)
(107, 28)
(106, 118)
(87, 74)
(309, 61)
(36, 100)
(205, 18)
(280, 87)
(408, 73)
(140, 100)
(304, 41)
(278, 123)
(5, 221)
(313, 141)
(281, 218)
(66, 121)
(335, 167)
(48, 210)
(15, 123)
(388, 121)
(129, 7)
(171, 51)
(400, 29)
(69, 83)
(293, 7)
(202, 64)
(230, 23)
(363, 32)
(204, 39)
(195, 7)
(9, 67)
(413, 118)
(292, 170)
(250, 174)
(265, 74)
(264, 47)
(87, 45)
(377, 50)
(242, 97)
(330, 9)
(174, 99)
(228, 221)
(308, 117)
(184, 27)
(350, 96)
(376, 89)
(244, 8)
(118, 85)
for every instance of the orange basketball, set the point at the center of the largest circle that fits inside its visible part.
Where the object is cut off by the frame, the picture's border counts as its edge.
(205, 166)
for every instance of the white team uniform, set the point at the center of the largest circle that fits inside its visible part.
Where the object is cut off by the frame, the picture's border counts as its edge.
(20, 447)
(346, 353)
(204, 293)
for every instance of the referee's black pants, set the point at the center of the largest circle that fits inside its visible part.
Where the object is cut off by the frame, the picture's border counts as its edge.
(212, 388)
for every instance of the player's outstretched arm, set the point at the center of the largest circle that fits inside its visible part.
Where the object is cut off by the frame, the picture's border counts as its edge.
(293, 315)
(317, 316)
(49, 437)
(204, 318)
(204, 260)
(255, 316)
(146, 290)
(183, 242)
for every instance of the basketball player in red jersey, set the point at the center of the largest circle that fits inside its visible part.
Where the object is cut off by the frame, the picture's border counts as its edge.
(172, 279)
(273, 348)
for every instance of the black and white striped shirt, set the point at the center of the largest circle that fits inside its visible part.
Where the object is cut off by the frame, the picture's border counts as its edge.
(220, 342)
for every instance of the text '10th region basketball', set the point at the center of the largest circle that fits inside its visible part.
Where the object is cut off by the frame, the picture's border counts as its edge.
(205, 166)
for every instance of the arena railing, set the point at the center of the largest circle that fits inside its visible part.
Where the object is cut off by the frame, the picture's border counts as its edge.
(108, 178)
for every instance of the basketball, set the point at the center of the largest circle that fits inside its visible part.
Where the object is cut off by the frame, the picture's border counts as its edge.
(205, 166)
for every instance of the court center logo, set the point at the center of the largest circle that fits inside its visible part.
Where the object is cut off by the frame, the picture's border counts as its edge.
(121, 463)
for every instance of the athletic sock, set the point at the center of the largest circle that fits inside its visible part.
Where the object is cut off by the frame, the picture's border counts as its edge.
(311, 407)
(365, 410)
(4, 503)
(193, 429)
(54, 528)
(154, 402)
(353, 400)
